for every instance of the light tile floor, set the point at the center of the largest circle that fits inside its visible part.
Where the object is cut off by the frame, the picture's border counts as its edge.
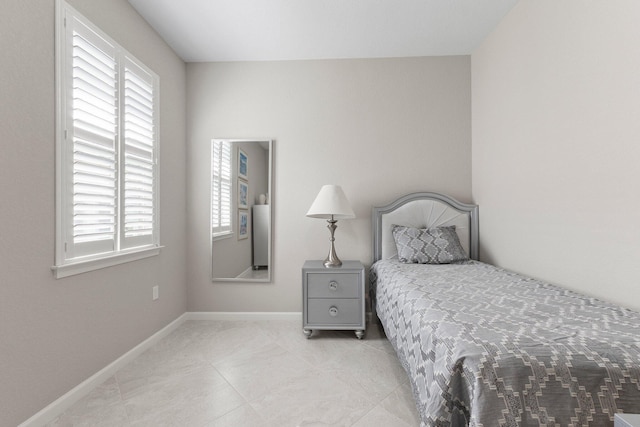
(250, 373)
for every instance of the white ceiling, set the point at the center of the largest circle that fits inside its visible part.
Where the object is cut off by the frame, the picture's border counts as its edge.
(259, 30)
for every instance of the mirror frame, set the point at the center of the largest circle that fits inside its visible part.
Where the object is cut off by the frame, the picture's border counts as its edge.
(269, 278)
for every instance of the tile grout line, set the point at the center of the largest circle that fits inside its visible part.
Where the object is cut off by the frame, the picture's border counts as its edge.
(273, 340)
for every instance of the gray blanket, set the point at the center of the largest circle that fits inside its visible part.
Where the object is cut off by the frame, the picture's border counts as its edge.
(487, 347)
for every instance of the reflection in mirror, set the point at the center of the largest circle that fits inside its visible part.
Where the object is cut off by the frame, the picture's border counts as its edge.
(241, 210)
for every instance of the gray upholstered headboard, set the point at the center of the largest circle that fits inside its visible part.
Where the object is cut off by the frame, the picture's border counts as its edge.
(424, 210)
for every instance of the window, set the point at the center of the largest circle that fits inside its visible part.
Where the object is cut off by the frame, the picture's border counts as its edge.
(221, 188)
(107, 150)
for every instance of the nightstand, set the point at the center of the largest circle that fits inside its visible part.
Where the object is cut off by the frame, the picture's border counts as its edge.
(333, 298)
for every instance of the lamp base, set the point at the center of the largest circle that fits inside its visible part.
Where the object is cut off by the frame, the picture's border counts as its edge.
(332, 259)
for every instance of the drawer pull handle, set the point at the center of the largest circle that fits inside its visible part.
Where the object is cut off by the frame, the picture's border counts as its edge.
(333, 311)
(333, 285)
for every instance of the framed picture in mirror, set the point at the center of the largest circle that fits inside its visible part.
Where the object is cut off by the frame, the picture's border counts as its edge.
(243, 164)
(243, 224)
(243, 194)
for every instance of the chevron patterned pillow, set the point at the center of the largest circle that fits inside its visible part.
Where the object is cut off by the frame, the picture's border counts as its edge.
(439, 245)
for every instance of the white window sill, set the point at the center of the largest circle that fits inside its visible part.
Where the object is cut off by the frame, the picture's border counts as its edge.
(222, 236)
(83, 266)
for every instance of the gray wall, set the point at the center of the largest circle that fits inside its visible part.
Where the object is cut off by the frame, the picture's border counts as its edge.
(556, 144)
(379, 128)
(54, 334)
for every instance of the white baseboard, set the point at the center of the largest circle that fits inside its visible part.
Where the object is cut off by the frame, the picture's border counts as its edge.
(232, 315)
(57, 407)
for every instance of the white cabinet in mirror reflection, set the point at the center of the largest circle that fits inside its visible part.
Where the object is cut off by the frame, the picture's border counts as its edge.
(260, 233)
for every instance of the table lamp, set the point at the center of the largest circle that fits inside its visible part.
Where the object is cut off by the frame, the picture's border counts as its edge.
(331, 204)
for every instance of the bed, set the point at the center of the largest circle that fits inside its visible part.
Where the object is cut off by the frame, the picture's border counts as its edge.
(484, 346)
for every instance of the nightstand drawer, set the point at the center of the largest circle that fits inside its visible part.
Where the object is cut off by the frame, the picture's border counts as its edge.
(323, 285)
(334, 311)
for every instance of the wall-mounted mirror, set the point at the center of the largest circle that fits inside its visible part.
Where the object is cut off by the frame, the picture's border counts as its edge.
(241, 210)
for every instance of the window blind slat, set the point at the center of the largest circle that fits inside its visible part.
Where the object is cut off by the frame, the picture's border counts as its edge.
(99, 100)
(138, 129)
(138, 105)
(138, 150)
(90, 72)
(98, 112)
(101, 83)
(90, 47)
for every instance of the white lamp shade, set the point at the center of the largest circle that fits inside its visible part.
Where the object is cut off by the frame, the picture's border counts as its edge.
(331, 202)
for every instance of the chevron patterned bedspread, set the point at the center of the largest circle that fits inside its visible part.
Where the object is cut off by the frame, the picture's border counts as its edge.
(487, 347)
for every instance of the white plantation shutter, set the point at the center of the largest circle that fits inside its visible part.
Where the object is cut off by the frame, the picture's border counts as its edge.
(220, 187)
(138, 155)
(92, 134)
(107, 146)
